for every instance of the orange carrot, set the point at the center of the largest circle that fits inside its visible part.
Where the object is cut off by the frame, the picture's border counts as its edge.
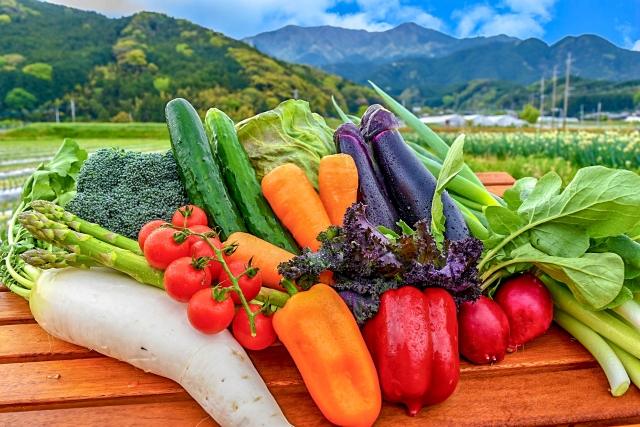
(296, 204)
(338, 178)
(266, 257)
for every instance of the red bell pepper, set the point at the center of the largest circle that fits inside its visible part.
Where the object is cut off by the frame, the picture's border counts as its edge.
(413, 340)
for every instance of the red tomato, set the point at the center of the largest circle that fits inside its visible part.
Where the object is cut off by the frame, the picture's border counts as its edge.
(147, 229)
(202, 249)
(188, 216)
(265, 334)
(160, 249)
(182, 280)
(201, 229)
(250, 286)
(208, 315)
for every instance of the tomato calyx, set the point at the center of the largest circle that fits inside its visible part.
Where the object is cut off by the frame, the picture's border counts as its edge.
(220, 294)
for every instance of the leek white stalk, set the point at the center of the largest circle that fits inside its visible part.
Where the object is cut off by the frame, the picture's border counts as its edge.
(113, 314)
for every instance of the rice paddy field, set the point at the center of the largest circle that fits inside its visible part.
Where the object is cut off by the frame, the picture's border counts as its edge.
(518, 153)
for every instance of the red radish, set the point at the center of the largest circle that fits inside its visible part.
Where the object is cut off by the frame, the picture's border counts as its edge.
(529, 308)
(200, 229)
(265, 334)
(161, 249)
(184, 277)
(483, 331)
(207, 314)
(202, 249)
(249, 283)
(147, 229)
(188, 216)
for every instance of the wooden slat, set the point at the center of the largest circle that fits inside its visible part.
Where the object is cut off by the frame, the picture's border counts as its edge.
(30, 343)
(80, 382)
(3, 288)
(495, 178)
(14, 309)
(498, 190)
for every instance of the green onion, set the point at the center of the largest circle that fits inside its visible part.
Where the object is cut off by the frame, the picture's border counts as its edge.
(598, 347)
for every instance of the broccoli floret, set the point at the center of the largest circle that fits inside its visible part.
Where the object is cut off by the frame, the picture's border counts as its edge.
(123, 190)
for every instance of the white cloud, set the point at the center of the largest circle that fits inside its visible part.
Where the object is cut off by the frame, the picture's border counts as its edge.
(636, 46)
(240, 18)
(517, 18)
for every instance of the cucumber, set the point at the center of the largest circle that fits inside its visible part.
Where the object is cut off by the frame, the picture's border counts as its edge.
(198, 169)
(243, 186)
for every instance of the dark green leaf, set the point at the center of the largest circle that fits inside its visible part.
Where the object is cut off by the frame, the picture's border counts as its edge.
(560, 240)
(502, 220)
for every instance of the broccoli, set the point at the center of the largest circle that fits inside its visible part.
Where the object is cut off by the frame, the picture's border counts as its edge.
(123, 190)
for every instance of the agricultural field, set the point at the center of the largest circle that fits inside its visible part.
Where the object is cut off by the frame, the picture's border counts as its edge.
(22, 150)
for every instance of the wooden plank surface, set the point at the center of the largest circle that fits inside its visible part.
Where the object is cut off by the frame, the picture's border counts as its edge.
(552, 381)
(14, 309)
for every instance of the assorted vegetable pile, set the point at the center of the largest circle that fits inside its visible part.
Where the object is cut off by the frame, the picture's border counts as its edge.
(376, 262)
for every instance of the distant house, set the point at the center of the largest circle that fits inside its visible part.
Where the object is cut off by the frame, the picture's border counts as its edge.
(630, 119)
(446, 120)
(477, 120)
(506, 120)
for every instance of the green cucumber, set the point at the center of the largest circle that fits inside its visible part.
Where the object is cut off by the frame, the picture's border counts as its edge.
(243, 186)
(198, 169)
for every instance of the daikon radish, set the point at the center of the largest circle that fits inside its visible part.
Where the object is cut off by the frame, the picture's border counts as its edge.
(113, 314)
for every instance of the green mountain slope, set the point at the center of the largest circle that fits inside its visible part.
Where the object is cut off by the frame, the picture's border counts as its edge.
(112, 67)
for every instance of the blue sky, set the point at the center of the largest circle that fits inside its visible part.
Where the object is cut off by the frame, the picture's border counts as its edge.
(550, 20)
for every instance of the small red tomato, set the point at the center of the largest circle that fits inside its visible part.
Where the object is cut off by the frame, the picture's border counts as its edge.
(182, 279)
(147, 229)
(249, 283)
(201, 229)
(208, 315)
(160, 248)
(202, 249)
(188, 216)
(265, 334)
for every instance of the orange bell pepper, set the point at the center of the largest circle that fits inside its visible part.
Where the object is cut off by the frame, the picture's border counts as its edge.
(325, 342)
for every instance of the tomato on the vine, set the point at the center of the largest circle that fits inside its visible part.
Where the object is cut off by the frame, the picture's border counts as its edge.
(202, 249)
(200, 229)
(147, 229)
(161, 249)
(184, 277)
(207, 314)
(265, 334)
(249, 283)
(188, 216)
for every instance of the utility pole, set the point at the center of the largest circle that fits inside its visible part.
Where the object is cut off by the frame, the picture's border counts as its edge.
(295, 94)
(581, 115)
(57, 115)
(598, 114)
(541, 101)
(553, 97)
(566, 92)
(73, 111)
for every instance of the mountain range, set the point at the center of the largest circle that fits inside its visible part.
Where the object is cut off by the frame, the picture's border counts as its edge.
(111, 68)
(412, 56)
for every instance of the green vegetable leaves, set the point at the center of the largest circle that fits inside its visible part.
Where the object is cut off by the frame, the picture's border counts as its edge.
(452, 165)
(551, 229)
(57, 179)
(290, 133)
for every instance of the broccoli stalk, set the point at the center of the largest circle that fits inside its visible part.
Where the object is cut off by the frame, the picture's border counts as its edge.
(59, 235)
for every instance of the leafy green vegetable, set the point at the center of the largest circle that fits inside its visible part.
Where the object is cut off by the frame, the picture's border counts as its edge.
(452, 165)
(290, 133)
(551, 229)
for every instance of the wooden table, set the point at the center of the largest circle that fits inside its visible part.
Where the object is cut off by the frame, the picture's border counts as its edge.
(48, 382)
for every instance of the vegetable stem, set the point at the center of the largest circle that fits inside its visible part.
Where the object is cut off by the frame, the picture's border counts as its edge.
(630, 363)
(272, 296)
(629, 310)
(600, 321)
(289, 286)
(606, 357)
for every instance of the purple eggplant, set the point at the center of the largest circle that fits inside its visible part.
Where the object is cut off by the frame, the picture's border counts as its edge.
(371, 188)
(409, 182)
